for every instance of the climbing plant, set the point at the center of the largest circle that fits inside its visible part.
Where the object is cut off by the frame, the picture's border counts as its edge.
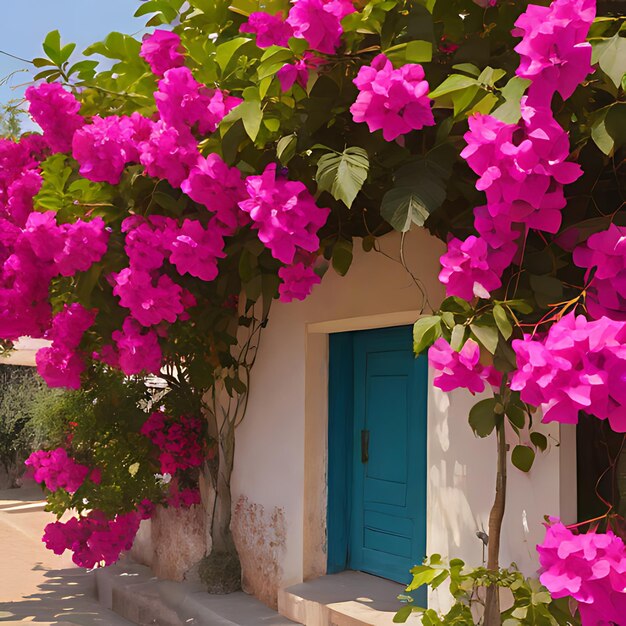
(239, 151)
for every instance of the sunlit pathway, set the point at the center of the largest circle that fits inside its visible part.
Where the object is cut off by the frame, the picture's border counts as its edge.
(35, 585)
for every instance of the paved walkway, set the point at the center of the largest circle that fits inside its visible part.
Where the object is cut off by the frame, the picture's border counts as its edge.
(36, 585)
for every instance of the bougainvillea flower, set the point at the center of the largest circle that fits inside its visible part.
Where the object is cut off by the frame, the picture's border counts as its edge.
(162, 51)
(319, 22)
(284, 213)
(591, 568)
(394, 100)
(147, 240)
(467, 272)
(580, 365)
(554, 52)
(56, 111)
(297, 282)
(459, 370)
(56, 470)
(184, 103)
(270, 30)
(604, 257)
(136, 350)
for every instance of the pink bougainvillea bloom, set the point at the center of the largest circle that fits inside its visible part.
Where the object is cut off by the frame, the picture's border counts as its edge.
(150, 301)
(297, 282)
(284, 213)
(61, 364)
(395, 101)
(591, 568)
(85, 243)
(137, 350)
(56, 470)
(184, 103)
(319, 22)
(56, 111)
(554, 52)
(219, 188)
(522, 167)
(195, 250)
(21, 193)
(604, 257)
(501, 236)
(147, 240)
(162, 51)
(184, 498)
(466, 271)
(298, 72)
(459, 370)
(169, 153)
(104, 147)
(270, 30)
(580, 365)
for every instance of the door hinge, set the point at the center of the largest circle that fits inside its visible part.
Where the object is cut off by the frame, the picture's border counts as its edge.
(365, 446)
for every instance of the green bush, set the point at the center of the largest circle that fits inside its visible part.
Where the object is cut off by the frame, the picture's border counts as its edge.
(27, 418)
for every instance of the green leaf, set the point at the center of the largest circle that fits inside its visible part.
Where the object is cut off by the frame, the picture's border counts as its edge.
(455, 82)
(286, 148)
(482, 417)
(539, 440)
(342, 256)
(548, 290)
(411, 52)
(420, 187)
(502, 321)
(425, 332)
(610, 54)
(523, 458)
(487, 336)
(456, 305)
(251, 115)
(225, 52)
(66, 52)
(608, 127)
(490, 76)
(343, 174)
(510, 111)
(422, 575)
(52, 46)
(458, 337)
(516, 415)
(403, 614)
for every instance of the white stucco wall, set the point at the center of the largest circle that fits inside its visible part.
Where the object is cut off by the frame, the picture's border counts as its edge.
(280, 457)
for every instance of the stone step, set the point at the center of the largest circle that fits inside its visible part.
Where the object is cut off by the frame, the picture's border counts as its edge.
(343, 599)
(135, 594)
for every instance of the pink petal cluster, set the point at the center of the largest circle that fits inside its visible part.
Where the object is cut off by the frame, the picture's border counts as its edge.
(146, 243)
(220, 189)
(467, 272)
(178, 440)
(195, 250)
(95, 540)
(554, 52)
(604, 257)
(150, 300)
(522, 167)
(319, 22)
(57, 113)
(580, 365)
(61, 365)
(104, 147)
(297, 283)
(162, 51)
(270, 30)
(136, 349)
(56, 470)
(298, 72)
(591, 568)
(284, 213)
(184, 104)
(394, 100)
(460, 370)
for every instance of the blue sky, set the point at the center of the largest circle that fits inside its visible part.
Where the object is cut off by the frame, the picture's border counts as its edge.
(25, 24)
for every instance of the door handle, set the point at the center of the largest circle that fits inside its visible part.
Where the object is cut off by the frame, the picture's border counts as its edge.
(365, 446)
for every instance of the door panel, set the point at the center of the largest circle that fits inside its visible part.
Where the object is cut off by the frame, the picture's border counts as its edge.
(388, 508)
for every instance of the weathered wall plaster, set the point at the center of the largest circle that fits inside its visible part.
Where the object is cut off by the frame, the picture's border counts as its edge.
(260, 537)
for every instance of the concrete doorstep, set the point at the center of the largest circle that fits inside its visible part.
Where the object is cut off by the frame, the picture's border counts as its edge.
(132, 592)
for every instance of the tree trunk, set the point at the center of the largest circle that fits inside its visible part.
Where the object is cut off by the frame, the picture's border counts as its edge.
(221, 570)
(492, 599)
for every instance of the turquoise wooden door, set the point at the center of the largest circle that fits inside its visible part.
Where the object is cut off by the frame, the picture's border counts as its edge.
(385, 483)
